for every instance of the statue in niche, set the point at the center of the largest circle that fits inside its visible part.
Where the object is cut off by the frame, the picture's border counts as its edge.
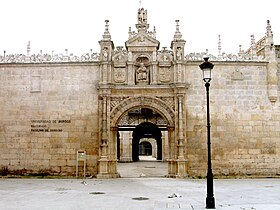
(129, 56)
(179, 53)
(142, 73)
(105, 54)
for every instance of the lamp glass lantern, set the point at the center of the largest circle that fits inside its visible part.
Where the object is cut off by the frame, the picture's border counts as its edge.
(206, 68)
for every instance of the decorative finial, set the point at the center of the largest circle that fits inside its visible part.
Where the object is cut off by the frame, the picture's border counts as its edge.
(252, 40)
(268, 29)
(269, 35)
(178, 34)
(106, 35)
(241, 52)
(129, 33)
(140, 3)
(253, 48)
(177, 24)
(219, 45)
(106, 25)
(28, 48)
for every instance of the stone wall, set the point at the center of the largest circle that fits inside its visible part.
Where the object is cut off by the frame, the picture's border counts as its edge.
(48, 112)
(245, 125)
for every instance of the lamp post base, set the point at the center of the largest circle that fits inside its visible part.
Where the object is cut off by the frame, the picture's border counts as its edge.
(210, 203)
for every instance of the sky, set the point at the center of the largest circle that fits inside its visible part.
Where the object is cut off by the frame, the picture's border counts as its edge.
(78, 25)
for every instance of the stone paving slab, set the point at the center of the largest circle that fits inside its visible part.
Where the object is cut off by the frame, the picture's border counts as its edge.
(143, 168)
(137, 193)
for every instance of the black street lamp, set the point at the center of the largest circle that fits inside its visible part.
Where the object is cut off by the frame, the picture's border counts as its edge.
(206, 68)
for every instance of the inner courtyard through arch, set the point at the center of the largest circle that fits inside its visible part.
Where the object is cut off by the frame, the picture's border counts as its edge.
(142, 144)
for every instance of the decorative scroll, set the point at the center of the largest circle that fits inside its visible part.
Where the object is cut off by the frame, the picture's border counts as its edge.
(135, 118)
(121, 56)
(222, 57)
(48, 58)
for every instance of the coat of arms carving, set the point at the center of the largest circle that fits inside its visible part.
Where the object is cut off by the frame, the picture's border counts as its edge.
(119, 75)
(164, 74)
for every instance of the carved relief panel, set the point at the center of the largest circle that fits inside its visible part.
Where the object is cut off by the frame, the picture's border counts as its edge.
(119, 59)
(164, 74)
(165, 62)
(119, 75)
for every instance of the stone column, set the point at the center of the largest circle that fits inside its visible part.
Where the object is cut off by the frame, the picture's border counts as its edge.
(272, 78)
(130, 144)
(125, 146)
(130, 74)
(181, 162)
(103, 73)
(163, 144)
(154, 73)
(172, 166)
(272, 67)
(113, 172)
(103, 161)
(109, 73)
(181, 132)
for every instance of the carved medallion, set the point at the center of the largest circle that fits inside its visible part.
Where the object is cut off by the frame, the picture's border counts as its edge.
(119, 75)
(164, 74)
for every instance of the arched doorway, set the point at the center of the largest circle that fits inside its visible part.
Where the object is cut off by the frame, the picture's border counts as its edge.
(148, 149)
(127, 115)
(145, 148)
(138, 125)
(146, 130)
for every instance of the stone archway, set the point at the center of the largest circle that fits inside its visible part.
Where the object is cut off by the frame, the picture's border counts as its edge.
(119, 108)
(147, 147)
(152, 103)
(141, 131)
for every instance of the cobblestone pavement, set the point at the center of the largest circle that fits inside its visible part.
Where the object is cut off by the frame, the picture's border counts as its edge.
(137, 194)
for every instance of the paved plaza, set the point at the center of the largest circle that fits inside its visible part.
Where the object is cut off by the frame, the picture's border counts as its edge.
(137, 193)
(142, 186)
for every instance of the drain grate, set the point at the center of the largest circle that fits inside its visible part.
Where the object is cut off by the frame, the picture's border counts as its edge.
(96, 193)
(140, 198)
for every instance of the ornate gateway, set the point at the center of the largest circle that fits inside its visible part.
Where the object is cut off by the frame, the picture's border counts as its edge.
(144, 97)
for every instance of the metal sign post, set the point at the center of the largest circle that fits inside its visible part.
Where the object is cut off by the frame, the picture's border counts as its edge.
(81, 156)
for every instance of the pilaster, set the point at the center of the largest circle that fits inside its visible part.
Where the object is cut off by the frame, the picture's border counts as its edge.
(270, 55)
(181, 162)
